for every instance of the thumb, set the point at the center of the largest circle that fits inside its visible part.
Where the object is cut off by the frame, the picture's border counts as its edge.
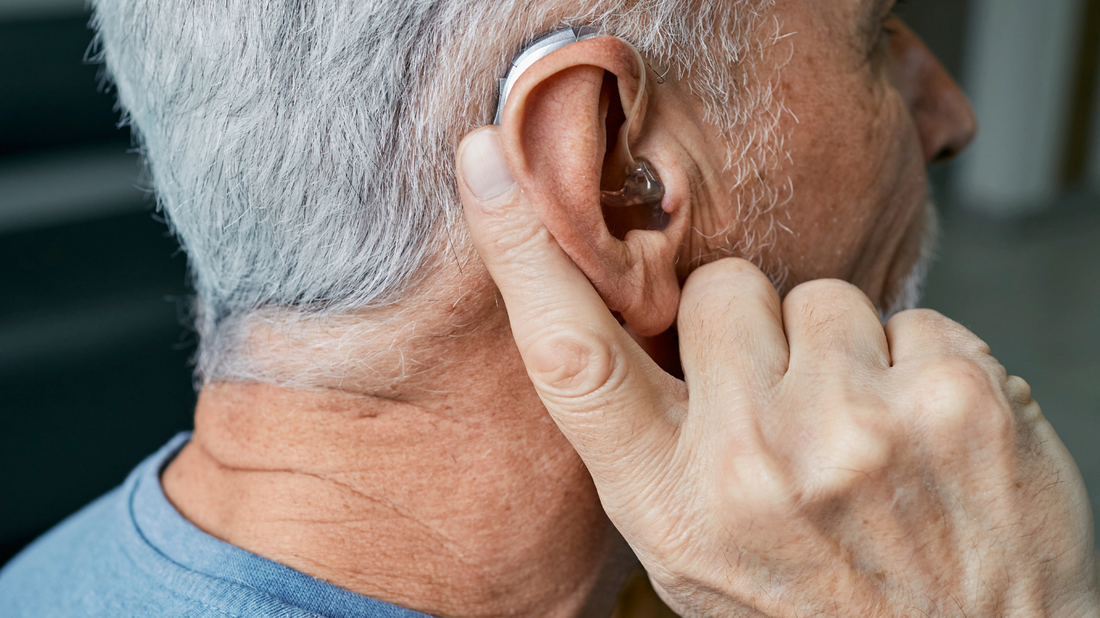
(483, 167)
(544, 291)
(604, 392)
(531, 270)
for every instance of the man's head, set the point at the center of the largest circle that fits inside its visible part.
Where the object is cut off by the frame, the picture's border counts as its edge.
(820, 174)
(303, 151)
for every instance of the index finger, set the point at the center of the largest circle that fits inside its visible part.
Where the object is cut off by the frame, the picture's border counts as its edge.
(607, 396)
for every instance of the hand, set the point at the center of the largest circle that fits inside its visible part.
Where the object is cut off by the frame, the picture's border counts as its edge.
(812, 463)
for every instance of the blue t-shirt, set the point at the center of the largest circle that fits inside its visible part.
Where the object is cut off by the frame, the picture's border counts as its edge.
(131, 553)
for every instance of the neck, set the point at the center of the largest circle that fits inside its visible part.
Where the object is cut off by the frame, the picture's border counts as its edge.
(458, 500)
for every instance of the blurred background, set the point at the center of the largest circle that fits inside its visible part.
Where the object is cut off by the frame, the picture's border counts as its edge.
(94, 372)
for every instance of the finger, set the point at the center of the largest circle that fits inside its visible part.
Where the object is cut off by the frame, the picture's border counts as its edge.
(926, 341)
(608, 397)
(731, 331)
(832, 327)
(921, 335)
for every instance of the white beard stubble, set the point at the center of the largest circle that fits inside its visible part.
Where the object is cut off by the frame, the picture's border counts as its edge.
(907, 294)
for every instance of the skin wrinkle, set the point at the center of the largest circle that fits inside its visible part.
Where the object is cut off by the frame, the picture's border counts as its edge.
(461, 424)
(757, 146)
(432, 531)
(328, 479)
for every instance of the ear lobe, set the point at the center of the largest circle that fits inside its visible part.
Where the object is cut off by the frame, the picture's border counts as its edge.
(558, 123)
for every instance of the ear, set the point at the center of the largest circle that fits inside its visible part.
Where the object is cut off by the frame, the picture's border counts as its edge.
(561, 117)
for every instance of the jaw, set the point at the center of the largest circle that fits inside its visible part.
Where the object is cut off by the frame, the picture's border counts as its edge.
(897, 236)
(907, 286)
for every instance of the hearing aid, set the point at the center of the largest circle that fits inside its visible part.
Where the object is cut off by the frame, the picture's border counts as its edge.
(642, 186)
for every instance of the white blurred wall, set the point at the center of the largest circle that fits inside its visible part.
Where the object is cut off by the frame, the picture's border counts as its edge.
(1018, 70)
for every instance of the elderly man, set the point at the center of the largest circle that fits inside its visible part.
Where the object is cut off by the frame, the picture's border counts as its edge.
(372, 435)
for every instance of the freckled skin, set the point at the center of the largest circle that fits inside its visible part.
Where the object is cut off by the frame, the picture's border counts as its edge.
(450, 490)
(871, 113)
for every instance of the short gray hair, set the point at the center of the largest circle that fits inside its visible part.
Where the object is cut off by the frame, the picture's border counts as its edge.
(302, 150)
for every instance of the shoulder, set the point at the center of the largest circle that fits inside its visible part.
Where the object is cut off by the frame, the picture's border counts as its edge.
(97, 563)
(83, 567)
(130, 554)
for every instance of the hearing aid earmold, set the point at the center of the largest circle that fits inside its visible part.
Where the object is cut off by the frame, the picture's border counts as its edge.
(642, 186)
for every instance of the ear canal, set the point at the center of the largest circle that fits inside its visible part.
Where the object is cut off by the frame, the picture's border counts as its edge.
(642, 185)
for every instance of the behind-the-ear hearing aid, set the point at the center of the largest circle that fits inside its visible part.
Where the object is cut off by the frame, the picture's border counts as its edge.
(642, 186)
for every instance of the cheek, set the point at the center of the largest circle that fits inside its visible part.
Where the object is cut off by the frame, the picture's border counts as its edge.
(857, 178)
(841, 179)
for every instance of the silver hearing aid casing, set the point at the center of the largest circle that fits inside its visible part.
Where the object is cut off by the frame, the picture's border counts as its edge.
(537, 50)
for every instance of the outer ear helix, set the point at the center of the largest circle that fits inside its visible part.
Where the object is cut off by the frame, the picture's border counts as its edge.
(635, 274)
(642, 186)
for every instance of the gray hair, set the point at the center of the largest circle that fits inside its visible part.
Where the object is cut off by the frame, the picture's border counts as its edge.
(302, 150)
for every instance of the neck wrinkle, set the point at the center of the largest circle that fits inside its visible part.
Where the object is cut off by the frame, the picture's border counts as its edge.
(457, 496)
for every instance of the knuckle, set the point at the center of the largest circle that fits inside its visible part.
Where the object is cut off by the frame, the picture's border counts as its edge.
(1028, 415)
(509, 239)
(760, 484)
(854, 442)
(1026, 410)
(724, 276)
(954, 385)
(969, 343)
(997, 372)
(570, 365)
(961, 401)
(812, 297)
(1018, 390)
(926, 325)
(920, 321)
(995, 423)
(729, 267)
(854, 456)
